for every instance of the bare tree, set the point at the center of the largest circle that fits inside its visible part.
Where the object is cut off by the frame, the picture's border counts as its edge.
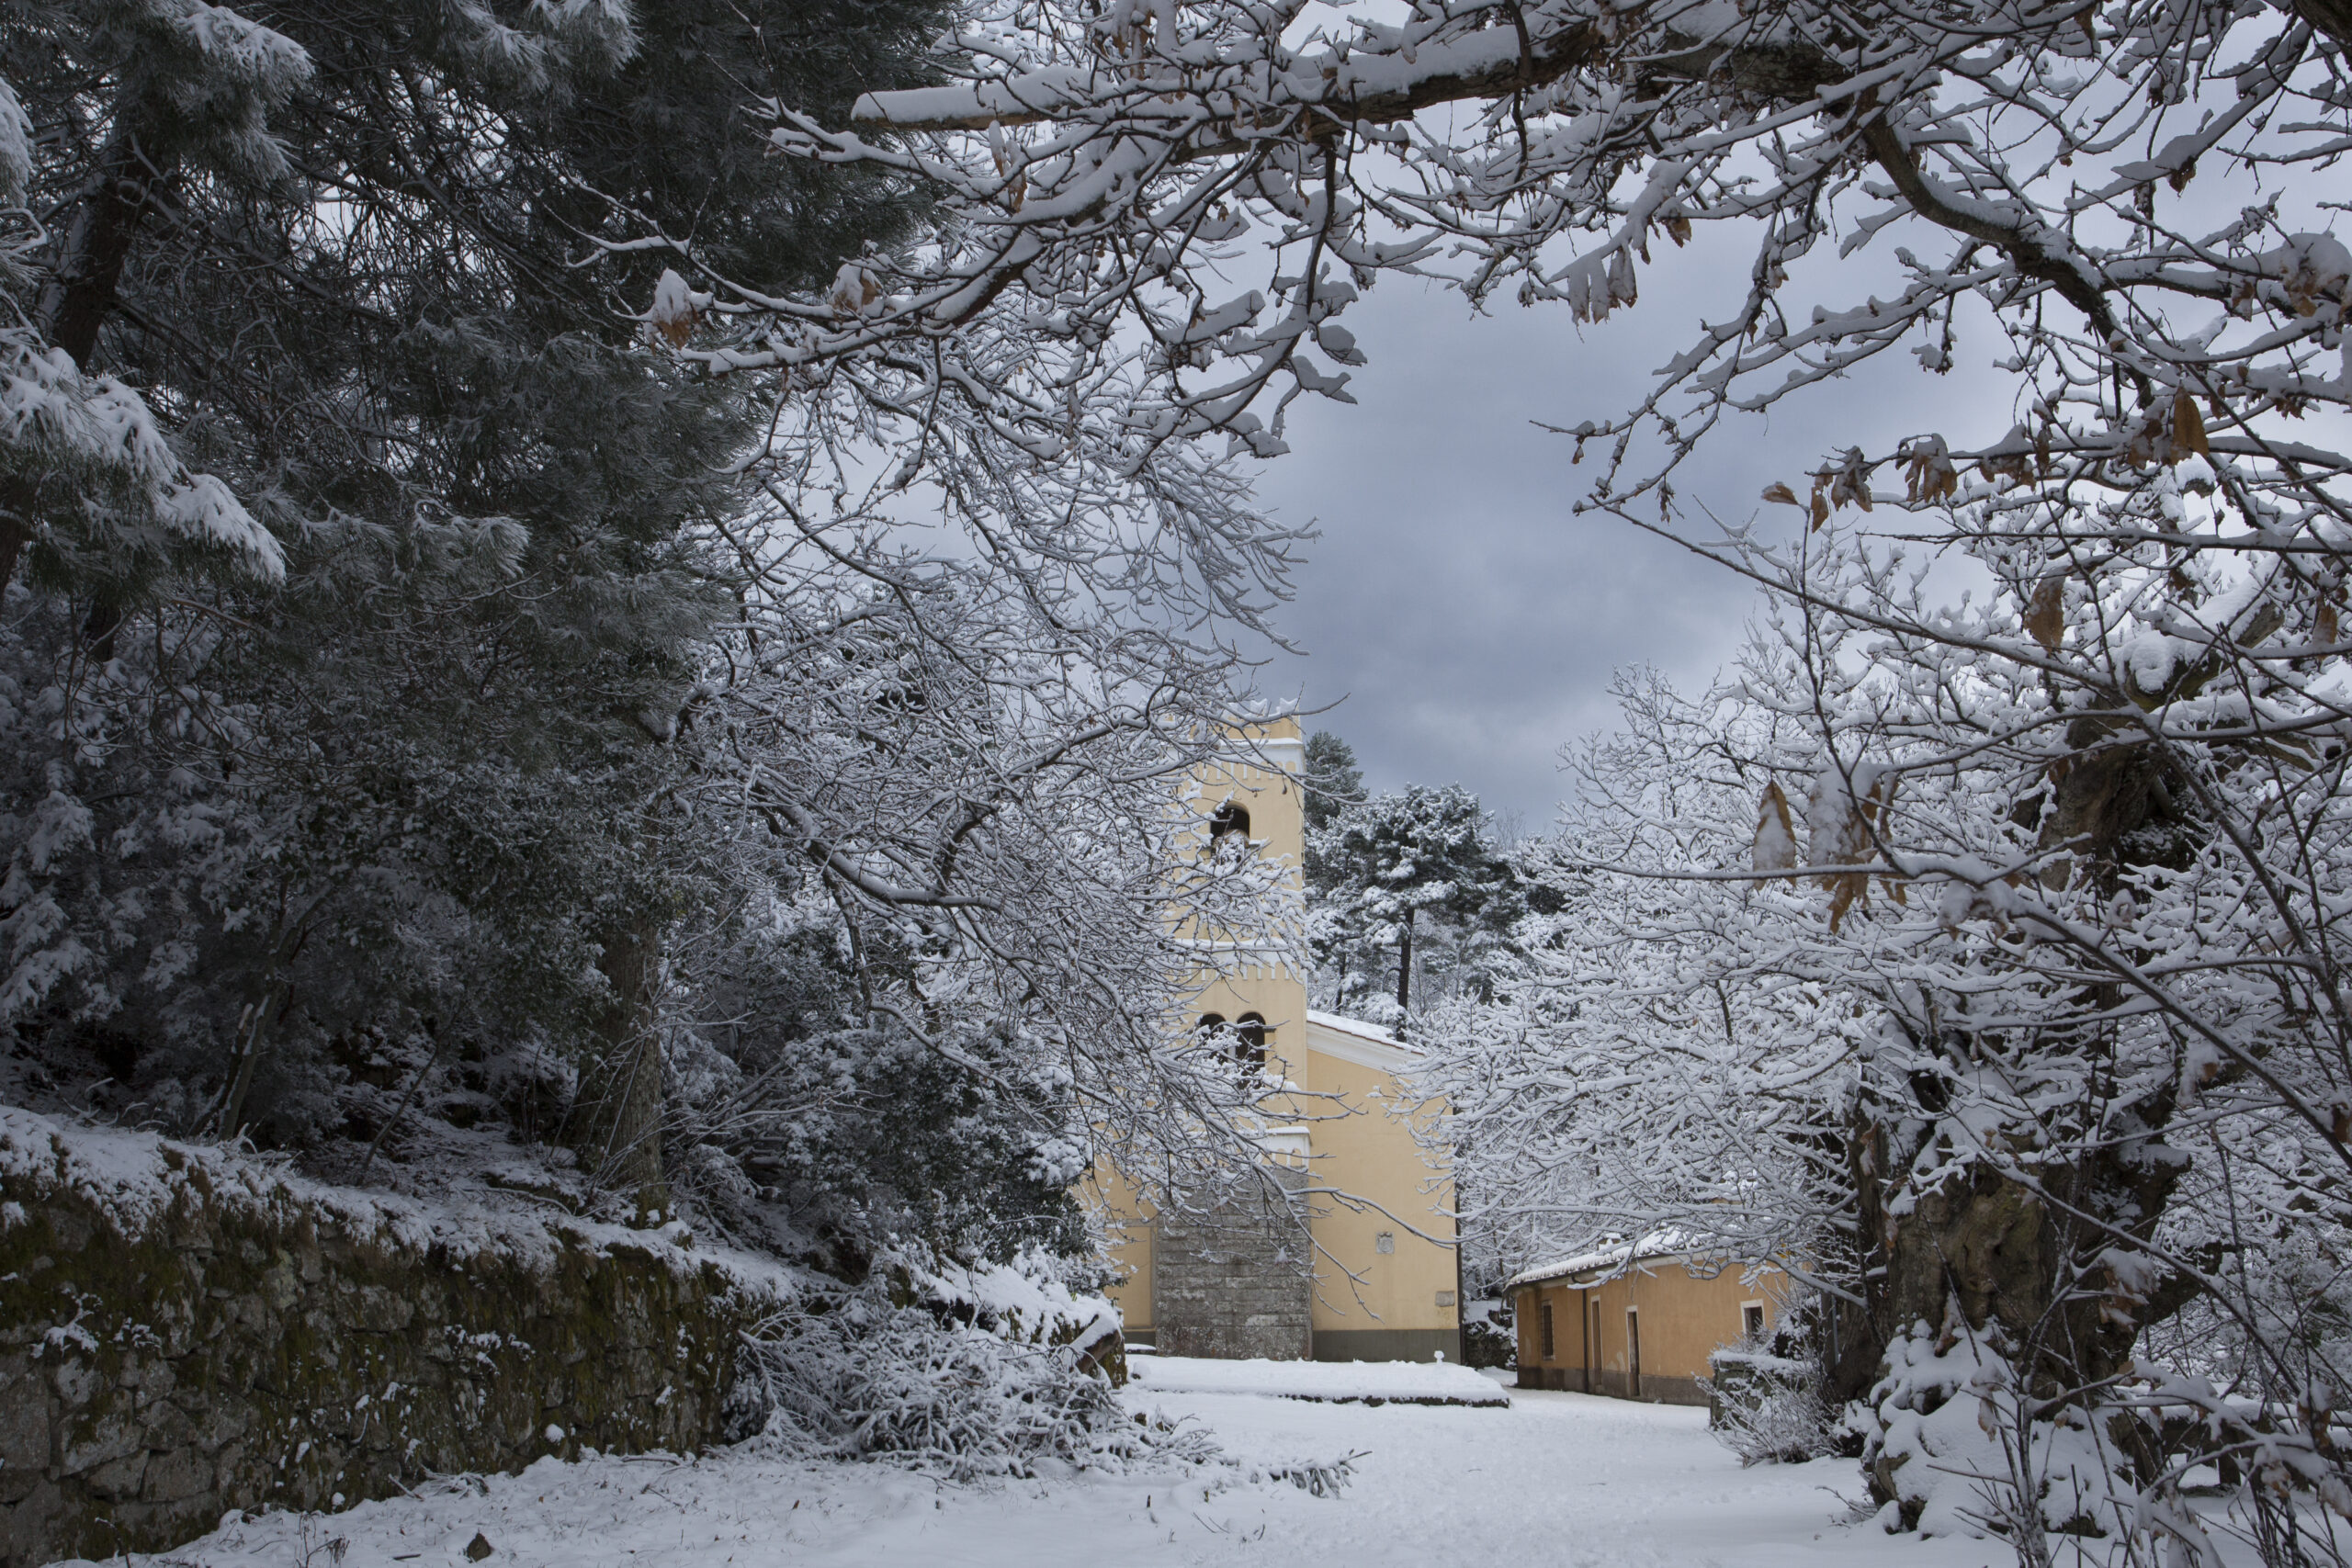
(2067, 830)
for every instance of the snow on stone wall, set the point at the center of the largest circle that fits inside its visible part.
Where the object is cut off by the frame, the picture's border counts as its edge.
(184, 1334)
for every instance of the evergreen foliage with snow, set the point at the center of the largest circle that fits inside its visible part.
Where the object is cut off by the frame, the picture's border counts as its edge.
(1408, 890)
(1329, 781)
(444, 714)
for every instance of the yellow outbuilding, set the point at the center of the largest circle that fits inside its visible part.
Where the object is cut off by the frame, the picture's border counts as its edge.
(1638, 1322)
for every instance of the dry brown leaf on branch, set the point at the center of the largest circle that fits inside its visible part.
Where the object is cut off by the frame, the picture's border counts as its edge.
(1016, 180)
(2045, 618)
(1851, 480)
(1781, 493)
(2187, 427)
(672, 314)
(1929, 475)
(1849, 841)
(1776, 834)
(854, 288)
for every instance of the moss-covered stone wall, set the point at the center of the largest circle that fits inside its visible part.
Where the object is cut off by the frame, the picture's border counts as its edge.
(184, 1334)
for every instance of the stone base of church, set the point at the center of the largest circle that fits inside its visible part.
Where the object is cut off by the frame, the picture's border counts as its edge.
(1234, 1282)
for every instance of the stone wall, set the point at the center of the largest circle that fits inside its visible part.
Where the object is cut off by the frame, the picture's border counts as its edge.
(1236, 1281)
(183, 1334)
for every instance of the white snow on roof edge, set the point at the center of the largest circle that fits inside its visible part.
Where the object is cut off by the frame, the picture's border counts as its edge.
(1657, 1245)
(1358, 1029)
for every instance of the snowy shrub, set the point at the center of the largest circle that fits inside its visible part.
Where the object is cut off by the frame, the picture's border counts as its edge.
(867, 1380)
(798, 1119)
(1953, 1449)
(1768, 1408)
(1488, 1338)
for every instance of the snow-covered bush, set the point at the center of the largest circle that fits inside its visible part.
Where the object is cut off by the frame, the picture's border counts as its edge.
(1765, 1393)
(939, 1387)
(1768, 1408)
(1489, 1337)
(867, 1379)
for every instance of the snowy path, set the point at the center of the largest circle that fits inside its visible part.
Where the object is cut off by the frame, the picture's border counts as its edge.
(1557, 1478)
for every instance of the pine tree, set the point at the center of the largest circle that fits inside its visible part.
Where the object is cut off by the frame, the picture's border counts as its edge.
(1400, 875)
(362, 654)
(427, 702)
(1331, 781)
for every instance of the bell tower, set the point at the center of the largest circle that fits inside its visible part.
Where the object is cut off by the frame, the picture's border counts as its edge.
(1253, 805)
(1235, 1278)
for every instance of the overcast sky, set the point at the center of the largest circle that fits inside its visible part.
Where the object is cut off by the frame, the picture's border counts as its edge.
(1470, 622)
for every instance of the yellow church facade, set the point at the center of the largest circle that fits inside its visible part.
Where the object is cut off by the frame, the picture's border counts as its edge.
(1362, 1265)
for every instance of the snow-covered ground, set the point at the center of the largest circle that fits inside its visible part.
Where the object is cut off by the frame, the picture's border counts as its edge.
(1553, 1478)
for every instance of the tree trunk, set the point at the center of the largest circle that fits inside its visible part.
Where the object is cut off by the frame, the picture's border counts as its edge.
(81, 295)
(259, 1021)
(615, 1123)
(97, 247)
(1404, 972)
(2332, 18)
(1977, 1263)
(2019, 1265)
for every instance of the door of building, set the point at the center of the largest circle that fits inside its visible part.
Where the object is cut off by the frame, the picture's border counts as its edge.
(1633, 1354)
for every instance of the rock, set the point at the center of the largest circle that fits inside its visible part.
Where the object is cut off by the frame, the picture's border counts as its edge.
(118, 1479)
(176, 1476)
(480, 1547)
(94, 1442)
(24, 1428)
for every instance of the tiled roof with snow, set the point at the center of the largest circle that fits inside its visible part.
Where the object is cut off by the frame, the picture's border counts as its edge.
(1658, 1244)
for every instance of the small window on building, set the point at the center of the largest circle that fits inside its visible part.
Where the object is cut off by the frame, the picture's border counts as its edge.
(1206, 1028)
(1751, 1319)
(1546, 1317)
(1385, 1243)
(1250, 1039)
(1230, 829)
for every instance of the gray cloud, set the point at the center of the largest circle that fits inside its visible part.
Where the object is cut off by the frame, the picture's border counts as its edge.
(1469, 620)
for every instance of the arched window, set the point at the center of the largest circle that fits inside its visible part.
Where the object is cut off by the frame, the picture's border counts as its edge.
(1210, 1022)
(1250, 1039)
(1229, 828)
